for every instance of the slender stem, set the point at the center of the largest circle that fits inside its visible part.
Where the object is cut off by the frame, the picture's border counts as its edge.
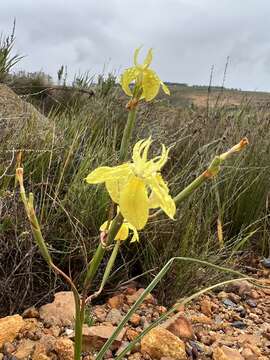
(127, 135)
(95, 262)
(212, 170)
(107, 271)
(37, 234)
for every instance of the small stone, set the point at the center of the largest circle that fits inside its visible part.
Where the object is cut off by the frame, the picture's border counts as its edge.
(135, 319)
(131, 299)
(43, 347)
(180, 326)
(9, 328)
(251, 303)
(130, 291)
(160, 342)
(94, 337)
(161, 309)
(100, 313)
(61, 311)
(234, 298)
(64, 348)
(31, 312)
(248, 354)
(116, 301)
(239, 324)
(254, 294)
(206, 307)
(135, 356)
(226, 353)
(131, 334)
(222, 295)
(228, 303)
(266, 262)
(8, 348)
(24, 349)
(114, 316)
(201, 319)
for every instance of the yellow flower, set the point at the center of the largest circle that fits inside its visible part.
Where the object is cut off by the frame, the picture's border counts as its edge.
(137, 186)
(145, 79)
(123, 231)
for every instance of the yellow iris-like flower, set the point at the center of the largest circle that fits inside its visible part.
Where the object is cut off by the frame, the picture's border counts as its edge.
(146, 79)
(137, 186)
(123, 231)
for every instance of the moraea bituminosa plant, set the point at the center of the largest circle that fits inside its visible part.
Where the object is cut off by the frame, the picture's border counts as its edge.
(136, 187)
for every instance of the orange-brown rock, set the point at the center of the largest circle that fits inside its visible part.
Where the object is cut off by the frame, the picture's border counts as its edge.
(226, 353)
(64, 348)
(160, 342)
(135, 319)
(94, 337)
(9, 328)
(116, 301)
(180, 326)
(25, 349)
(61, 311)
(206, 307)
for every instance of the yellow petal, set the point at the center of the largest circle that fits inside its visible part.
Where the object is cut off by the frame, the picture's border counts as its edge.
(136, 53)
(165, 88)
(114, 187)
(161, 160)
(151, 85)
(148, 59)
(136, 155)
(161, 196)
(104, 226)
(106, 173)
(122, 233)
(134, 203)
(127, 77)
(135, 236)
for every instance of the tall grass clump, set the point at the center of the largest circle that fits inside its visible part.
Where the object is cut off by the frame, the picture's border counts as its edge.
(7, 59)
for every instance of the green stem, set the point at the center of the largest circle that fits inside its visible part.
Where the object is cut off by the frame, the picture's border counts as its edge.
(107, 271)
(95, 262)
(78, 331)
(190, 189)
(127, 135)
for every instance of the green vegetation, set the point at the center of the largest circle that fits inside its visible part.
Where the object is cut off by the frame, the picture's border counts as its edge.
(86, 133)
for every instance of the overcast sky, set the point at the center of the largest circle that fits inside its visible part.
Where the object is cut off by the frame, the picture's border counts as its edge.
(188, 36)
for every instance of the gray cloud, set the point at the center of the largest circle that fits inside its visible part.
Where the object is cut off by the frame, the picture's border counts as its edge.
(188, 36)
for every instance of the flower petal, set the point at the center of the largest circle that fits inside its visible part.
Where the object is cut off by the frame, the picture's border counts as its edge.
(127, 77)
(114, 187)
(135, 236)
(106, 173)
(134, 203)
(151, 85)
(122, 233)
(148, 59)
(165, 88)
(104, 226)
(161, 197)
(136, 53)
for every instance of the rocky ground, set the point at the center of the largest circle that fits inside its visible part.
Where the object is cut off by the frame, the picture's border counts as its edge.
(232, 324)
